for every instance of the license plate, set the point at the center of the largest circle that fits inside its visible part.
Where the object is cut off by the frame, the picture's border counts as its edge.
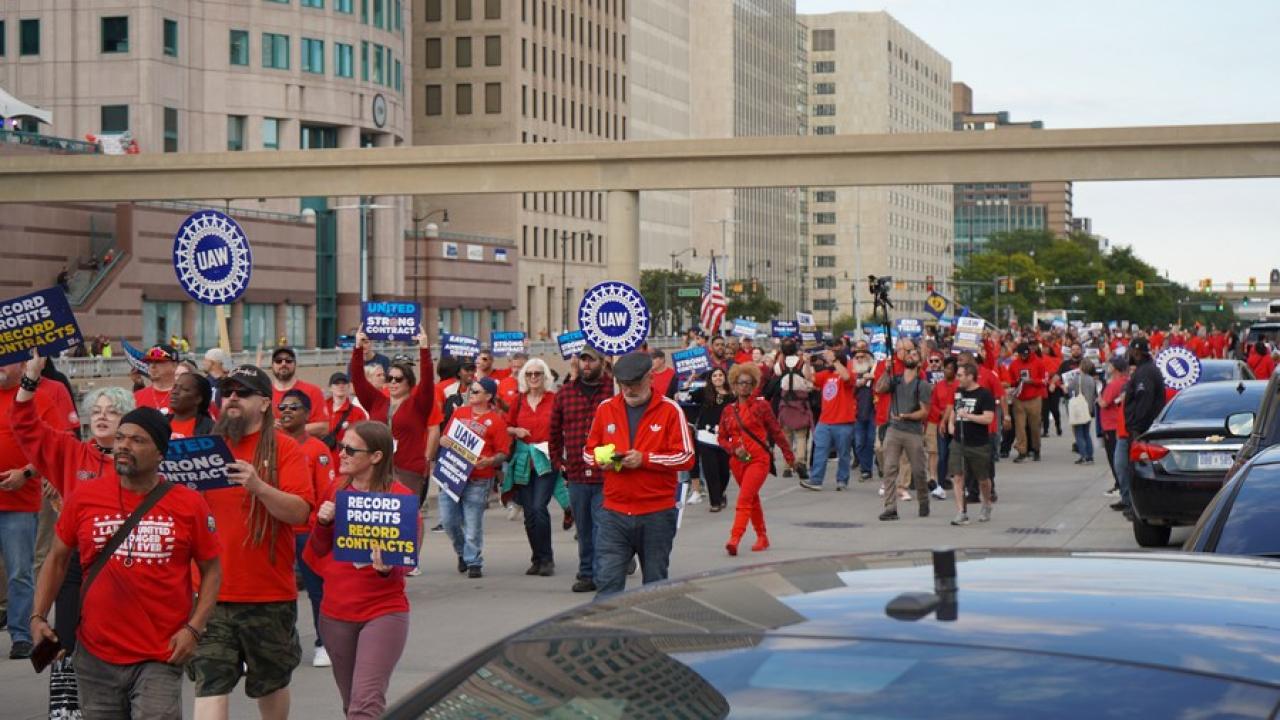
(1214, 461)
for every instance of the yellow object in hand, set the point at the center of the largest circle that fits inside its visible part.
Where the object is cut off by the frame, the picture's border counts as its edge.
(604, 455)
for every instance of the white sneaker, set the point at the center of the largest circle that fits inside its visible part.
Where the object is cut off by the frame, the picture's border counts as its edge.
(1113, 492)
(321, 658)
(414, 572)
(905, 496)
(694, 498)
(513, 512)
(939, 493)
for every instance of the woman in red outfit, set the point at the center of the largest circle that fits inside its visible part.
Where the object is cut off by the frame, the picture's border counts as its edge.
(406, 409)
(745, 429)
(364, 616)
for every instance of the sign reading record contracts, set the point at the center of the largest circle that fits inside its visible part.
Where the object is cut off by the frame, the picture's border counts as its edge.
(212, 259)
(614, 318)
(41, 320)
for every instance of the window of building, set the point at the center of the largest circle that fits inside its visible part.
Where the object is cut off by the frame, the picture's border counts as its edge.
(824, 283)
(170, 130)
(492, 98)
(462, 52)
(824, 196)
(435, 53)
(115, 34)
(824, 239)
(343, 60)
(364, 60)
(824, 218)
(824, 304)
(115, 118)
(239, 47)
(259, 322)
(171, 38)
(824, 88)
(824, 66)
(343, 6)
(160, 320)
(824, 40)
(824, 110)
(398, 77)
(432, 12)
(379, 76)
(313, 56)
(462, 10)
(295, 325)
(29, 37)
(270, 133)
(824, 260)
(462, 99)
(364, 11)
(275, 51)
(434, 101)
(318, 137)
(380, 14)
(235, 132)
(493, 51)
(492, 9)
(824, 130)
(3, 35)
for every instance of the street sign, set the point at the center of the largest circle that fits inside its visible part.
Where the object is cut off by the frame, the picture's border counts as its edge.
(1207, 307)
(1119, 288)
(691, 292)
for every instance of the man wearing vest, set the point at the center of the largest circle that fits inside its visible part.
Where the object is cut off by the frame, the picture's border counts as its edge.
(909, 398)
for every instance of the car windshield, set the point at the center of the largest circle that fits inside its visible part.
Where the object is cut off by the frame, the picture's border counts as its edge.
(1215, 371)
(1251, 527)
(746, 676)
(1215, 405)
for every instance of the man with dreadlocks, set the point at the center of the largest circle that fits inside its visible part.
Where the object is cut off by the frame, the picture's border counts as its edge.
(252, 631)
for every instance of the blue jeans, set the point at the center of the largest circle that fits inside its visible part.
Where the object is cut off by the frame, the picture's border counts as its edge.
(464, 521)
(534, 496)
(313, 583)
(1124, 470)
(18, 543)
(587, 501)
(864, 445)
(944, 457)
(622, 537)
(1084, 440)
(824, 437)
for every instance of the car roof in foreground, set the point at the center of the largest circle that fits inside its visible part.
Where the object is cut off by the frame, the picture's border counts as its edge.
(1220, 387)
(1203, 614)
(1268, 456)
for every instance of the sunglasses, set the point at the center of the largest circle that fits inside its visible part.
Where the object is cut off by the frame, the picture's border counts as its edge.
(534, 374)
(239, 392)
(475, 390)
(747, 381)
(395, 378)
(283, 360)
(289, 407)
(352, 451)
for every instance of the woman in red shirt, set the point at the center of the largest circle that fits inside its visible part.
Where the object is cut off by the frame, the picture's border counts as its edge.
(406, 409)
(463, 518)
(746, 427)
(1111, 413)
(529, 423)
(364, 616)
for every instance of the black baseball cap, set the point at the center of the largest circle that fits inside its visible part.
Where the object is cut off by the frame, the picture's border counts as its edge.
(338, 378)
(250, 377)
(283, 351)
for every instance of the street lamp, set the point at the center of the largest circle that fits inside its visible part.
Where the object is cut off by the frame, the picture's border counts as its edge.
(364, 208)
(433, 233)
(666, 311)
(724, 242)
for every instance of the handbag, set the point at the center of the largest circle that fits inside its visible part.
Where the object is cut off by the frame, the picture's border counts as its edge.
(46, 651)
(773, 467)
(1078, 411)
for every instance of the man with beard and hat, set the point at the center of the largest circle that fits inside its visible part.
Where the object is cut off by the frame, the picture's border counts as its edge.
(252, 631)
(284, 368)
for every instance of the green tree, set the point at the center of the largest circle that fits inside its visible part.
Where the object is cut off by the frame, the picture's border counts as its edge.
(751, 302)
(660, 289)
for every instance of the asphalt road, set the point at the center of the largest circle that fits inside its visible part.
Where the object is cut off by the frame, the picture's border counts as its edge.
(1052, 503)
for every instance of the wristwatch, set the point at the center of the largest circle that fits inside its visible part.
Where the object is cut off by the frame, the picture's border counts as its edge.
(28, 473)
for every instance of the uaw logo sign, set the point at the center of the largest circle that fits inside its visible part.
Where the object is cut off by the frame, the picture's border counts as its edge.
(212, 259)
(614, 318)
(1179, 366)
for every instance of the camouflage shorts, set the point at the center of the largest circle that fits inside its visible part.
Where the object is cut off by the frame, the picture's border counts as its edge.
(257, 640)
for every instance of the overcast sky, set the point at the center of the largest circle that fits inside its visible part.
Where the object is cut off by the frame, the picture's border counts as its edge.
(1100, 63)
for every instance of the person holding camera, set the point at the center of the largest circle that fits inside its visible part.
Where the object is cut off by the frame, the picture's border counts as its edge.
(909, 399)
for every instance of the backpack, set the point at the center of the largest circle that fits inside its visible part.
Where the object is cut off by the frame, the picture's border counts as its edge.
(451, 403)
(793, 408)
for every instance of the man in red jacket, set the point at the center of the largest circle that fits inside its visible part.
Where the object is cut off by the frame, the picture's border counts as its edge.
(1027, 375)
(647, 442)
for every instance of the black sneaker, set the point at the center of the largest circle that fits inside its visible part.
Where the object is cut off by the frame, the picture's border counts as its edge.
(462, 565)
(547, 569)
(1121, 505)
(21, 650)
(864, 477)
(889, 515)
(4, 619)
(924, 511)
(1020, 457)
(474, 572)
(1035, 456)
(439, 528)
(534, 569)
(587, 585)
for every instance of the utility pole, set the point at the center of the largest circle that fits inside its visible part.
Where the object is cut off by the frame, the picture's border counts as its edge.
(857, 259)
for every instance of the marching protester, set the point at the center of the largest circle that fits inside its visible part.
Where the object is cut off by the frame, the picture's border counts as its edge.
(1112, 417)
(835, 424)
(162, 368)
(572, 412)
(713, 460)
(909, 398)
(509, 384)
(253, 629)
(968, 422)
(1028, 376)
(943, 395)
(284, 369)
(640, 440)
(791, 398)
(364, 616)
(532, 474)
(1082, 390)
(1260, 361)
(463, 518)
(864, 419)
(1143, 400)
(189, 404)
(341, 412)
(294, 409)
(747, 432)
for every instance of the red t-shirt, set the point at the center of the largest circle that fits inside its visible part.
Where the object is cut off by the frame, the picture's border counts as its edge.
(662, 380)
(182, 428)
(493, 429)
(536, 420)
(838, 403)
(53, 405)
(152, 398)
(323, 472)
(262, 572)
(991, 382)
(143, 594)
(944, 392)
(1034, 384)
(313, 393)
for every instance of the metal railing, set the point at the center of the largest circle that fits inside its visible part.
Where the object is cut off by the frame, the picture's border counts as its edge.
(232, 211)
(63, 146)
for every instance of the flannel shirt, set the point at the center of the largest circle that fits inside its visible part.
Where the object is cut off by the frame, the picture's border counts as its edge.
(571, 415)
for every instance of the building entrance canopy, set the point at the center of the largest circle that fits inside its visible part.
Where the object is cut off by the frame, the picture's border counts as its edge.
(12, 107)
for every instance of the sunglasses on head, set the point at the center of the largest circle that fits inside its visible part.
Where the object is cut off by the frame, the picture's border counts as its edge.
(352, 451)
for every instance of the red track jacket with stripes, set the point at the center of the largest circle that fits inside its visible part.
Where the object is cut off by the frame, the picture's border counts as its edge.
(663, 438)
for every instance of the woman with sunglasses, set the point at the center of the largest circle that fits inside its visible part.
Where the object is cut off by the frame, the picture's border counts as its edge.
(535, 480)
(463, 519)
(364, 615)
(747, 427)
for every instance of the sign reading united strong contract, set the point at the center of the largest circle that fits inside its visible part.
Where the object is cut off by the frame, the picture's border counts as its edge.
(201, 462)
(394, 321)
(42, 320)
(212, 259)
(387, 521)
(1179, 366)
(614, 318)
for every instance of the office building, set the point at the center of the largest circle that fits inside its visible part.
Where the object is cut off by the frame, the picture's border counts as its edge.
(870, 74)
(982, 209)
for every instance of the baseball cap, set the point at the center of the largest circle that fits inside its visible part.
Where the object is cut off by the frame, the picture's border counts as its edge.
(161, 353)
(338, 377)
(1140, 344)
(590, 352)
(250, 377)
(489, 385)
(283, 351)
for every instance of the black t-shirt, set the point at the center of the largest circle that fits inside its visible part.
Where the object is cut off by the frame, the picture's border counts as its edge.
(976, 401)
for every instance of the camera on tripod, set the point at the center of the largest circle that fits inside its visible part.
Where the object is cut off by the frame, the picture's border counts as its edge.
(880, 287)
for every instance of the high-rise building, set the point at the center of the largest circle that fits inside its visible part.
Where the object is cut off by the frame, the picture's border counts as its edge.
(985, 208)
(247, 76)
(870, 74)
(524, 71)
(745, 82)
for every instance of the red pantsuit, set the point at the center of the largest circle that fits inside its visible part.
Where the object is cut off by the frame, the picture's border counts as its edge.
(749, 425)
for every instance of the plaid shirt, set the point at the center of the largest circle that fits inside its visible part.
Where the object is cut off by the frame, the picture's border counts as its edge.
(571, 415)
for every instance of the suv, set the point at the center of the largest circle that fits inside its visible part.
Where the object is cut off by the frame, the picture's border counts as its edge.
(1262, 431)
(1268, 330)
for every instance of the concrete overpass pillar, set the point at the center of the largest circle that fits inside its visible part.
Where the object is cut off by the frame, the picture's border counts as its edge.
(622, 211)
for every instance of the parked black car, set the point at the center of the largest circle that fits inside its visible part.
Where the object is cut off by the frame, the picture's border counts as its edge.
(1242, 518)
(1218, 370)
(1028, 634)
(1182, 459)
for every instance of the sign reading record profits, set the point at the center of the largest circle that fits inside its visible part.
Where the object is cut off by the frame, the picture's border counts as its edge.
(211, 258)
(41, 320)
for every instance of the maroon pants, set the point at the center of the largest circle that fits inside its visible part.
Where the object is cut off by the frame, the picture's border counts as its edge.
(364, 655)
(750, 477)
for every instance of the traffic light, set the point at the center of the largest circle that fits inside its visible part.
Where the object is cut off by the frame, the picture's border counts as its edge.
(1206, 284)
(736, 287)
(1139, 287)
(1010, 283)
(1102, 288)
(1253, 284)
(1245, 301)
(1220, 306)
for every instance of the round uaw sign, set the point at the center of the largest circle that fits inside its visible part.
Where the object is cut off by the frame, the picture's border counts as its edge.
(1179, 366)
(614, 318)
(212, 259)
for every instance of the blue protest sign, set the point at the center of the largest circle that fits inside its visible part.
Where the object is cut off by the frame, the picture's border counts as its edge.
(461, 346)
(459, 451)
(508, 343)
(390, 321)
(201, 462)
(1179, 366)
(135, 356)
(211, 258)
(363, 520)
(614, 318)
(909, 328)
(744, 328)
(879, 342)
(692, 361)
(571, 343)
(42, 320)
(783, 329)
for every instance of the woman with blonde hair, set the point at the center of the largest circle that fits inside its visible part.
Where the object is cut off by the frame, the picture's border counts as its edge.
(747, 427)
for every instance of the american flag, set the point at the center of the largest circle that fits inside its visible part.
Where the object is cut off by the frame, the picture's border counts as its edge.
(713, 302)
